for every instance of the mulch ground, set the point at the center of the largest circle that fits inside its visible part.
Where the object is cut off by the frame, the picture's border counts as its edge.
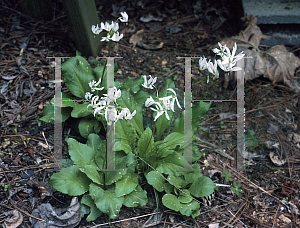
(270, 195)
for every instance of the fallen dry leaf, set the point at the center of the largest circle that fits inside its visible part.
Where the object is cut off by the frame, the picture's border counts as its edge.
(56, 218)
(276, 64)
(250, 36)
(13, 220)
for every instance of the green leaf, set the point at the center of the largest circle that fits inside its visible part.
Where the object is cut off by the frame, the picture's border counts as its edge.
(88, 125)
(188, 208)
(94, 211)
(167, 146)
(190, 177)
(195, 214)
(95, 142)
(67, 102)
(141, 97)
(198, 111)
(49, 115)
(175, 180)
(138, 197)
(171, 201)
(66, 108)
(77, 73)
(202, 186)
(106, 200)
(169, 188)
(97, 71)
(81, 154)
(162, 123)
(183, 198)
(145, 145)
(170, 164)
(70, 181)
(99, 146)
(120, 163)
(127, 101)
(81, 110)
(197, 154)
(125, 136)
(127, 184)
(156, 180)
(131, 85)
(92, 172)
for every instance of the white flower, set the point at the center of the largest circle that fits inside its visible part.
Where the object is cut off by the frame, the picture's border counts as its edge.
(106, 38)
(166, 102)
(98, 110)
(96, 30)
(228, 61)
(105, 26)
(116, 36)
(113, 94)
(88, 96)
(124, 17)
(126, 113)
(149, 102)
(160, 111)
(213, 68)
(222, 50)
(202, 63)
(150, 82)
(114, 27)
(94, 100)
(226, 66)
(111, 115)
(174, 98)
(93, 84)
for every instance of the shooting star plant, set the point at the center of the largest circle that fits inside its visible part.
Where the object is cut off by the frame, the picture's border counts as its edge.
(164, 104)
(108, 106)
(226, 63)
(112, 29)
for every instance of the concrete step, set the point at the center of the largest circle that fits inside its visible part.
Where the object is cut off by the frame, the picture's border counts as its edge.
(279, 20)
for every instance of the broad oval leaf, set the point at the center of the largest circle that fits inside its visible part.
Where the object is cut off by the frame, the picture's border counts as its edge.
(81, 154)
(94, 211)
(106, 200)
(156, 180)
(145, 144)
(77, 73)
(199, 109)
(81, 110)
(70, 181)
(127, 184)
(188, 208)
(138, 197)
(171, 201)
(185, 198)
(87, 126)
(202, 186)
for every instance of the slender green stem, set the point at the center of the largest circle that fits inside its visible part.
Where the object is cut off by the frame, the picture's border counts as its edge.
(171, 123)
(106, 61)
(200, 80)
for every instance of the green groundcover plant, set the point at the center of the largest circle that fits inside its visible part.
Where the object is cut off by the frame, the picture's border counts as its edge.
(145, 149)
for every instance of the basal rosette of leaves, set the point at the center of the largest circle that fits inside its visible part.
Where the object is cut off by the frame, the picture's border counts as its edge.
(141, 153)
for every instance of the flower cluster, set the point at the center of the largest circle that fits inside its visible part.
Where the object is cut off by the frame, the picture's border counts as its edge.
(112, 29)
(226, 63)
(164, 104)
(107, 105)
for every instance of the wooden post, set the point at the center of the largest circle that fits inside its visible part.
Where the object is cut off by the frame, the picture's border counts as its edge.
(37, 9)
(82, 14)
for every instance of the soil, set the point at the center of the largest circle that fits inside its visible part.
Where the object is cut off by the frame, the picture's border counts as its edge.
(270, 196)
